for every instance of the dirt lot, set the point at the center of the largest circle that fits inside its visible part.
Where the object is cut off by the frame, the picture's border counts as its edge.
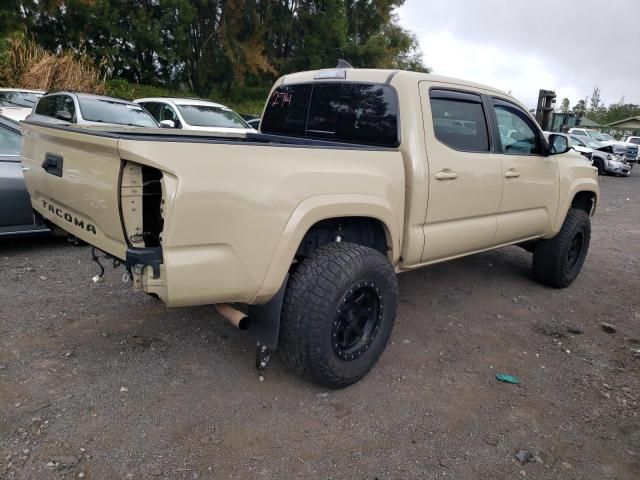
(99, 382)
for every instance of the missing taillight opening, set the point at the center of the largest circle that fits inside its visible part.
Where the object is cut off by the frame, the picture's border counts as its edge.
(152, 221)
(141, 205)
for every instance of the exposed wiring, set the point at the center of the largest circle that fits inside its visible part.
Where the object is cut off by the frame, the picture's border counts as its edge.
(96, 259)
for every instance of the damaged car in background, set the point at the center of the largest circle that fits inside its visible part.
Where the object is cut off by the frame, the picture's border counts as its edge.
(608, 159)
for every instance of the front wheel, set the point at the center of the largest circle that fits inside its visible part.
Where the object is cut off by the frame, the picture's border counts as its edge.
(558, 261)
(599, 164)
(338, 314)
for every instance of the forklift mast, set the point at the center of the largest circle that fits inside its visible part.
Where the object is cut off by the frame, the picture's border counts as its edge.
(544, 109)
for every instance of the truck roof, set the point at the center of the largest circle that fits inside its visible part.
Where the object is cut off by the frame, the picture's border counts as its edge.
(381, 76)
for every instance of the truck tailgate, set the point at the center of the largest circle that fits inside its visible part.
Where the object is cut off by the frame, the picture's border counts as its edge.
(73, 179)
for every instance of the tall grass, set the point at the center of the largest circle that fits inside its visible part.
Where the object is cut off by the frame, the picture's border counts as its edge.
(24, 64)
(27, 65)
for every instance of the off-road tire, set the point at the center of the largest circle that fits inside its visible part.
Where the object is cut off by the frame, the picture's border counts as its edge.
(599, 164)
(315, 293)
(553, 262)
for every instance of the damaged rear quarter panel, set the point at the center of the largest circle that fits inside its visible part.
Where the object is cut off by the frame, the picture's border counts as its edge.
(228, 204)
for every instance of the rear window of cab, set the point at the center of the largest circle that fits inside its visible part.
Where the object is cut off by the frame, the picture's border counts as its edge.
(349, 112)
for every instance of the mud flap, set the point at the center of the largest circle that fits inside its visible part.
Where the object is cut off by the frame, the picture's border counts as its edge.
(265, 319)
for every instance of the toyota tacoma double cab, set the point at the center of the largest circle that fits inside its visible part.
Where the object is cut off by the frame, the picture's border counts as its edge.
(297, 232)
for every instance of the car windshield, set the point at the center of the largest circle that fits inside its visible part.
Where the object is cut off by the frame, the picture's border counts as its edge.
(107, 111)
(608, 137)
(598, 136)
(19, 99)
(590, 142)
(211, 116)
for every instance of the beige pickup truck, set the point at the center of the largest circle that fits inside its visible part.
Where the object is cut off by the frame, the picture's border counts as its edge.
(355, 175)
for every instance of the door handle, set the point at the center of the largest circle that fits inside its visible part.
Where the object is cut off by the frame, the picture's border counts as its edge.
(446, 174)
(53, 164)
(511, 173)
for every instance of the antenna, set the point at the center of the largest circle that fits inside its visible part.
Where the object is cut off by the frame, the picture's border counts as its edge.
(343, 64)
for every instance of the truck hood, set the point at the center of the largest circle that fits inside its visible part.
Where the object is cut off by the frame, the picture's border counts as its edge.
(15, 113)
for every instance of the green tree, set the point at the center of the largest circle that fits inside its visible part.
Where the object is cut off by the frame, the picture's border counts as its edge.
(594, 102)
(580, 108)
(227, 47)
(565, 105)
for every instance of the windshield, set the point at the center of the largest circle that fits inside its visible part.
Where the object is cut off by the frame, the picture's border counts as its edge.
(598, 136)
(210, 116)
(590, 142)
(19, 99)
(608, 137)
(105, 111)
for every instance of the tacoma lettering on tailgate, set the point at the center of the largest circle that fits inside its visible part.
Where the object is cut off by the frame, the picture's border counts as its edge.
(72, 219)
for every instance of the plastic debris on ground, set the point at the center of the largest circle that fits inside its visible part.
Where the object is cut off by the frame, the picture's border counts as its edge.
(505, 377)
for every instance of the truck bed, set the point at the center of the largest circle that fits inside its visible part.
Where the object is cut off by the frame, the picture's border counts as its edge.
(209, 218)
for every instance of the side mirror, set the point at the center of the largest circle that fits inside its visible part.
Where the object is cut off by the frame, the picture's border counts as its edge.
(558, 144)
(64, 115)
(167, 124)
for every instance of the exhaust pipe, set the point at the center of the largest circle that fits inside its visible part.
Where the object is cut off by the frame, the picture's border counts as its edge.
(235, 316)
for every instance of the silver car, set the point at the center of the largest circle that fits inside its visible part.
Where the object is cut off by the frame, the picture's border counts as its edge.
(604, 156)
(16, 214)
(86, 109)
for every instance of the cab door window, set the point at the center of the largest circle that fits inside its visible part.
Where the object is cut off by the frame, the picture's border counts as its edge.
(459, 120)
(47, 106)
(518, 134)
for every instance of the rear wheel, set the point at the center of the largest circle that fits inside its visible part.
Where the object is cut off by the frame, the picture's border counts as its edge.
(558, 261)
(338, 314)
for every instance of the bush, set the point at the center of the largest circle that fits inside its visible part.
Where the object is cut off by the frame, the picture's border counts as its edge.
(120, 88)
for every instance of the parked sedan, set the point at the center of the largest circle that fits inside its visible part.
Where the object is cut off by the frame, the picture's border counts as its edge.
(87, 109)
(18, 103)
(603, 156)
(195, 114)
(16, 214)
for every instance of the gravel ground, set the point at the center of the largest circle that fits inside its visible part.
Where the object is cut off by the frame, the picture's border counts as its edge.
(99, 382)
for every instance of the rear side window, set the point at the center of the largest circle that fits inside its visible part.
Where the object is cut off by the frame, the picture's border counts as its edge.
(339, 111)
(459, 120)
(153, 108)
(47, 106)
(635, 140)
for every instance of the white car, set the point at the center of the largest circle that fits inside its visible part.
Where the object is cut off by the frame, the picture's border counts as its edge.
(72, 108)
(18, 103)
(194, 114)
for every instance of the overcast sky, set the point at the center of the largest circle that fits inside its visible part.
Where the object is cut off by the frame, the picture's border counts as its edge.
(522, 45)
